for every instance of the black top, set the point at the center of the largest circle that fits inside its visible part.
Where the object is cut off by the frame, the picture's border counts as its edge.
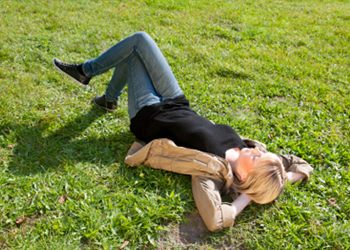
(175, 120)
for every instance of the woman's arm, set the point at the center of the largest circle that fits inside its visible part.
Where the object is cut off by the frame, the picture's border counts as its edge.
(243, 200)
(240, 203)
(215, 214)
(296, 168)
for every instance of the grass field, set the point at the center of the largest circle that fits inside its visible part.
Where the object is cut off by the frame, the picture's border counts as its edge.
(276, 71)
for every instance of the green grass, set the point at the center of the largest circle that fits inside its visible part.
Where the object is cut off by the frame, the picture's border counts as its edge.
(276, 71)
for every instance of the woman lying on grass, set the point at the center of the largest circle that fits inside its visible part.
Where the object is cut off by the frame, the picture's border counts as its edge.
(218, 160)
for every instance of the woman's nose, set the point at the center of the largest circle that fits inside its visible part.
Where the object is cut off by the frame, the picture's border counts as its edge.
(256, 151)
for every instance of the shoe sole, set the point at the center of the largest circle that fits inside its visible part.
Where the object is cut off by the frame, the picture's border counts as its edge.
(75, 80)
(110, 110)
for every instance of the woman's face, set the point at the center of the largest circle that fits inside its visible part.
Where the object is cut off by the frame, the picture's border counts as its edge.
(246, 161)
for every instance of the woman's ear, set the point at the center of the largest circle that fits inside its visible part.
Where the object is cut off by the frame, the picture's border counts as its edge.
(243, 176)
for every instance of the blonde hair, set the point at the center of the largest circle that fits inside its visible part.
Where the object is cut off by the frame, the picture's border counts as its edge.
(266, 182)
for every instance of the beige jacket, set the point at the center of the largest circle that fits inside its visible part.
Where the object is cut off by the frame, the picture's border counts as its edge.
(211, 174)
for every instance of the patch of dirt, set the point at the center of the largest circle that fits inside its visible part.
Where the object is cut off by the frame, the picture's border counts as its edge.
(194, 231)
(192, 234)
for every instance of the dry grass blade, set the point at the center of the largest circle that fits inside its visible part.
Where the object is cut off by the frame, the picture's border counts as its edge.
(62, 199)
(124, 245)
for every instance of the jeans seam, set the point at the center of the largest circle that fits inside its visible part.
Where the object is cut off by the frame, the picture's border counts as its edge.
(84, 70)
(133, 90)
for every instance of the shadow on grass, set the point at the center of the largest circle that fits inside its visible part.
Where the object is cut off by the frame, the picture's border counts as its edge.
(37, 152)
(194, 231)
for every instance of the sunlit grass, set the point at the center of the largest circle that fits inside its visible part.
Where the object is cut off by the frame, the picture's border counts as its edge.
(276, 71)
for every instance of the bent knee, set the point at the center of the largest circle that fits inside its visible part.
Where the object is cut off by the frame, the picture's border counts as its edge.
(142, 36)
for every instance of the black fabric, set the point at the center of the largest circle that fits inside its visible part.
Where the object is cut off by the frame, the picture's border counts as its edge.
(175, 120)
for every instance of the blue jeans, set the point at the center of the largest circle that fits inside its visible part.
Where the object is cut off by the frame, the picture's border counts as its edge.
(139, 63)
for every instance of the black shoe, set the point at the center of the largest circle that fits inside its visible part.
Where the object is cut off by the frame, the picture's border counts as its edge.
(72, 71)
(100, 100)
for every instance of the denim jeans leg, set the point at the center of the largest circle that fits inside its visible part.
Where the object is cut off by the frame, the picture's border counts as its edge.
(117, 83)
(140, 88)
(163, 79)
(142, 45)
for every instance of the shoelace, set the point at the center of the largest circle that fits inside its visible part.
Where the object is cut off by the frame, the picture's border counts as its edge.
(68, 64)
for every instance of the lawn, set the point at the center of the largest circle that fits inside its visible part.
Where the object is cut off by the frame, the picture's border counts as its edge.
(276, 71)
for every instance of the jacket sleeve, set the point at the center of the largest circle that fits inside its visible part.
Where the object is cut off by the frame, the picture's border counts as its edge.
(164, 154)
(295, 164)
(215, 214)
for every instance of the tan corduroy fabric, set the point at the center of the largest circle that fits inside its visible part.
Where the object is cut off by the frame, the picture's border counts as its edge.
(211, 174)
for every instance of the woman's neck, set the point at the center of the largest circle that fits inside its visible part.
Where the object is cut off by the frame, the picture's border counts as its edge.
(231, 156)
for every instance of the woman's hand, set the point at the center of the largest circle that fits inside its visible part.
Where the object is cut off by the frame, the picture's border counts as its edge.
(294, 177)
